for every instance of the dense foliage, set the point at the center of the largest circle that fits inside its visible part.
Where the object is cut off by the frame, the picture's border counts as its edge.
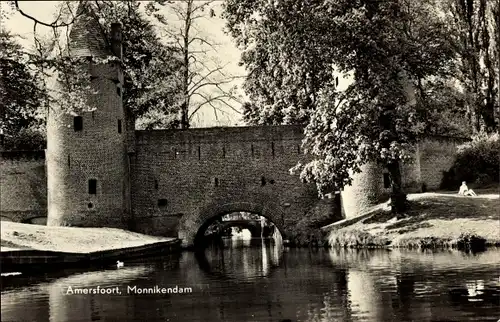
(292, 51)
(444, 109)
(22, 96)
(475, 29)
(477, 162)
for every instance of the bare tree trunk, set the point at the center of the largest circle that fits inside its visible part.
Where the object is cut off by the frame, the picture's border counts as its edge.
(398, 197)
(185, 79)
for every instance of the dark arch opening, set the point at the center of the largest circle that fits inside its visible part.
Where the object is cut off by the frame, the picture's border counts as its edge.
(216, 227)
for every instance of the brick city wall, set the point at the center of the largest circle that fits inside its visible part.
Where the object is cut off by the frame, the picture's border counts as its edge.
(182, 179)
(436, 156)
(23, 186)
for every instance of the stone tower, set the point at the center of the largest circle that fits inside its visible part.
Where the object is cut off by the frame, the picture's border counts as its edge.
(87, 164)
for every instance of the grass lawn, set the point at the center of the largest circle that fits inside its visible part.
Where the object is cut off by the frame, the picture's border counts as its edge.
(433, 220)
(69, 239)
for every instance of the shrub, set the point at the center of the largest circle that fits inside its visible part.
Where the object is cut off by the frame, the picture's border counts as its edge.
(470, 242)
(354, 239)
(477, 162)
(26, 139)
(423, 243)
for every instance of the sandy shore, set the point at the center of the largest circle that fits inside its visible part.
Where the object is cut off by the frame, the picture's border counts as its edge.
(16, 236)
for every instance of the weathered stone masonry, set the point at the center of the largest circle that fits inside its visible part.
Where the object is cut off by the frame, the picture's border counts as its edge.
(182, 179)
(23, 186)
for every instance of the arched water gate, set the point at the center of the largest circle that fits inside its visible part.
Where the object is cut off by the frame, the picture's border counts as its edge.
(192, 227)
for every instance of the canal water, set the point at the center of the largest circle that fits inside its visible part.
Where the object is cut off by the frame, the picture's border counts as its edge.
(256, 281)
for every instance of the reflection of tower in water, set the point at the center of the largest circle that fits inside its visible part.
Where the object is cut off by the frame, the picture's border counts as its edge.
(358, 283)
(363, 294)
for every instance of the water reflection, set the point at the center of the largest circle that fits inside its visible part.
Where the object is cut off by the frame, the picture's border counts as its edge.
(424, 285)
(261, 281)
(244, 235)
(241, 259)
(56, 301)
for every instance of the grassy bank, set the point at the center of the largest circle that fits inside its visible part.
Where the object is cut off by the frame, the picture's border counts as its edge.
(69, 239)
(433, 220)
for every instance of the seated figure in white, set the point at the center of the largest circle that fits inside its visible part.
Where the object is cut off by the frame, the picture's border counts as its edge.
(465, 191)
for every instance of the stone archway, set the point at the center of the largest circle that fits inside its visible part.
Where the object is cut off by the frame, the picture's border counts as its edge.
(193, 225)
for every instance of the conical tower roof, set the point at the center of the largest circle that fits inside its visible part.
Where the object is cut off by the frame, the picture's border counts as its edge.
(87, 37)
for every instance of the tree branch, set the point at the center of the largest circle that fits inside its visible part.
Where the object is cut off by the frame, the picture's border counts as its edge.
(208, 100)
(54, 24)
(194, 89)
(203, 41)
(204, 78)
(202, 6)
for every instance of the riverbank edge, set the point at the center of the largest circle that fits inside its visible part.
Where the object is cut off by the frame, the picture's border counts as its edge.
(376, 228)
(32, 259)
(360, 240)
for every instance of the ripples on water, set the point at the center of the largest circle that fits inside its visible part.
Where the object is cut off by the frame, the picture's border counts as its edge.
(255, 281)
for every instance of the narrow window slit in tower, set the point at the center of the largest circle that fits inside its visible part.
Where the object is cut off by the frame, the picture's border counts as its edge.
(298, 149)
(252, 151)
(119, 126)
(78, 123)
(69, 161)
(223, 152)
(199, 153)
(216, 182)
(156, 184)
(262, 181)
(162, 202)
(92, 186)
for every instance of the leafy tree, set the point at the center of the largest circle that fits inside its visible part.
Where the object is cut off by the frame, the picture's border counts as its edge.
(22, 94)
(288, 56)
(292, 51)
(475, 30)
(445, 110)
